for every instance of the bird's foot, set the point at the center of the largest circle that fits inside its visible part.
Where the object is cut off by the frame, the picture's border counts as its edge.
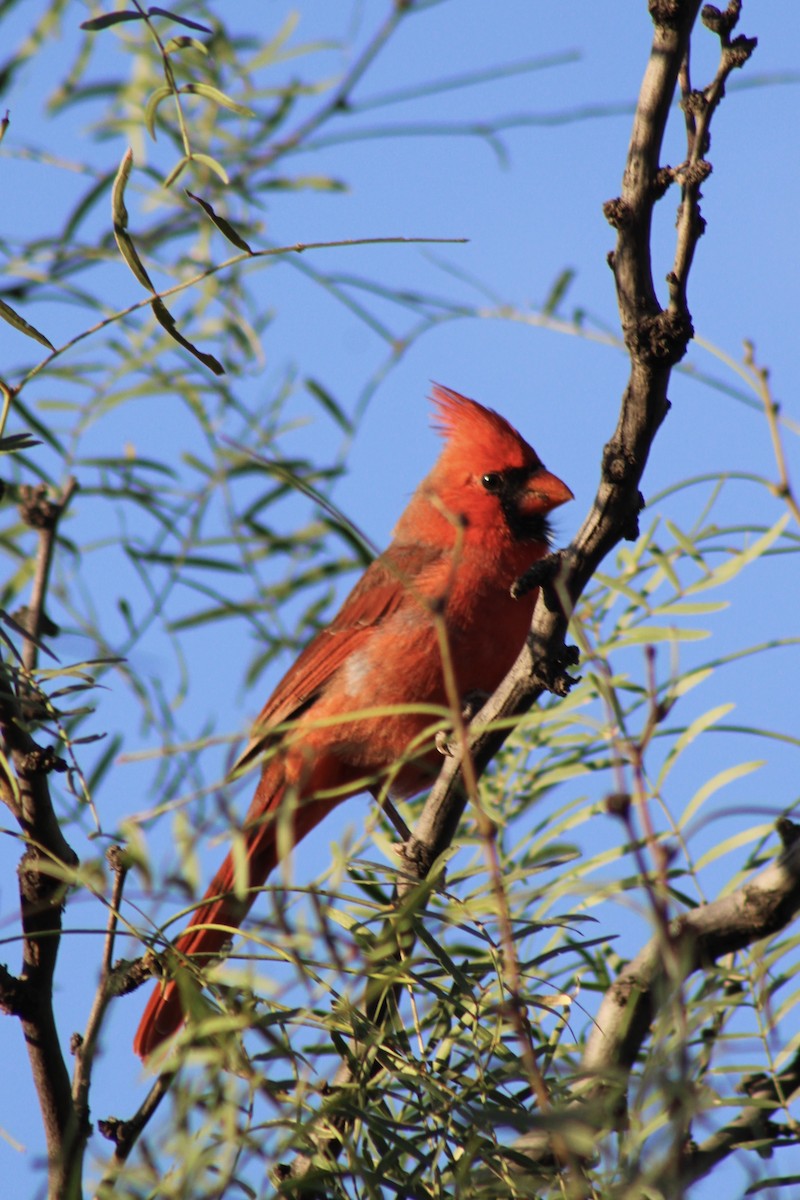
(543, 574)
(472, 703)
(551, 673)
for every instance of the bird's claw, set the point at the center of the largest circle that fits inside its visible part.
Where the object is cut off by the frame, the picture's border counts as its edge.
(472, 703)
(443, 744)
(551, 673)
(542, 574)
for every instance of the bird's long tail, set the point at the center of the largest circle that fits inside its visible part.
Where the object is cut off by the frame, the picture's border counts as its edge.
(222, 911)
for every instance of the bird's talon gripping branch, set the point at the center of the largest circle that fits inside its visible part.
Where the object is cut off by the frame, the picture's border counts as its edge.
(552, 674)
(443, 743)
(541, 575)
(472, 703)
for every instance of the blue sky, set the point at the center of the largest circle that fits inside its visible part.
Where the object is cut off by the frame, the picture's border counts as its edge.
(527, 219)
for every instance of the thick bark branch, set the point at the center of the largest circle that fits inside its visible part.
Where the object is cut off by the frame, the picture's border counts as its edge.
(46, 854)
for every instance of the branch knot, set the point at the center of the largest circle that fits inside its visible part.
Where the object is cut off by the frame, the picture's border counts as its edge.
(663, 337)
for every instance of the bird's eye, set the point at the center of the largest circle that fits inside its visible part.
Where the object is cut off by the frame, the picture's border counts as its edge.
(492, 481)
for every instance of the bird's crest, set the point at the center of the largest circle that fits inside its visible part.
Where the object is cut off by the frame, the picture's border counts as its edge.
(468, 428)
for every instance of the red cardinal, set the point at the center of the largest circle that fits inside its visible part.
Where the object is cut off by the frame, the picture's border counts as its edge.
(476, 523)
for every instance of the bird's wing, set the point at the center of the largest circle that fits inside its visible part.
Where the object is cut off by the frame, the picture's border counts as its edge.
(386, 584)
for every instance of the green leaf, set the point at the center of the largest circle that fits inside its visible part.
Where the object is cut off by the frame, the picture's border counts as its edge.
(217, 97)
(686, 544)
(734, 843)
(202, 562)
(692, 731)
(178, 169)
(652, 634)
(185, 43)
(731, 567)
(317, 183)
(212, 164)
(119, 213)
(558, 291)
(687, 682)
(151, 108)
(13, 318)
(221, 223)
(718, 781)
(119, 216)
(330, 405)
(688, 608)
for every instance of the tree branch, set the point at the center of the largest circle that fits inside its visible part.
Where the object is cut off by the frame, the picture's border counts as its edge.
(47, 855)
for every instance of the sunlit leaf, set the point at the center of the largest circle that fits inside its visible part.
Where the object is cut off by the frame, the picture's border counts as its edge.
(151, 108)
(745, 838)
(211, 163)
(214, 94)
(720, 780)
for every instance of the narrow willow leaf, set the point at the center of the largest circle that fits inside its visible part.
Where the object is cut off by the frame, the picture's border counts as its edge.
(109, 19)
(651, 634)
(621, 588)
(185, 43)
(221, 223)
(734, 843)
(200, 561)
(783, 1010)
(10, 777)
(13, 318)
(718, 781)
(330, 405)
(152, 108)
(167, 321)
(687, 682)
(128, 252)
(558, 291)
(664, 569)
(119, 213)
(698, 726)
(18, 441)
(269, 52)
(212, 165)
(731, 568)
(688, 608)
(84, 206)
(154, 11)
(206, 616)
(217, 97)
(119, 216)
(184, 836)
(177, 170)
(317, 183)
(685, 543)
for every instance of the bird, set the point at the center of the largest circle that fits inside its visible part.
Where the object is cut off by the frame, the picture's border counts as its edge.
(356, 711)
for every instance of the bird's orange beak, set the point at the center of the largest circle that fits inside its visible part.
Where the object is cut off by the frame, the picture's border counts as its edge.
(544, 491)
